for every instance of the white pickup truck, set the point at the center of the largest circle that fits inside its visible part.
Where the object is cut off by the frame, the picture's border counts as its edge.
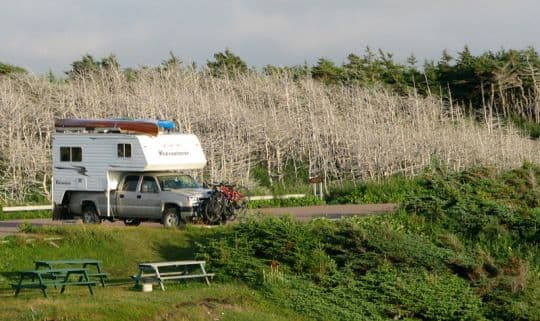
(170, 198)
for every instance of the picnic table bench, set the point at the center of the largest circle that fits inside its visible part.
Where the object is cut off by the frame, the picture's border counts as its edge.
(42, 279)
(161, 271)
(96, 272)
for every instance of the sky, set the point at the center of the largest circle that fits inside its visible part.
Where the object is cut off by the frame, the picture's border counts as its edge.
(49, 35)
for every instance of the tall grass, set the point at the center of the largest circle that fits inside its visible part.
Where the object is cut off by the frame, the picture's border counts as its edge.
(253, 122)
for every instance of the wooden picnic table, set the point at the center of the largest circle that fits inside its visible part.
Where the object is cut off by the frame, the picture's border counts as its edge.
(160, 271)
(84, 263)
(41, 279)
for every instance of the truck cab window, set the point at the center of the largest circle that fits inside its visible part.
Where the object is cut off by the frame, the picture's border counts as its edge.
(149, 185)
(123, 150)
(130, 183)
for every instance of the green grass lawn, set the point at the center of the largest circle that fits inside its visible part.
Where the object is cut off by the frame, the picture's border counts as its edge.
(120, 251)
(181, 301)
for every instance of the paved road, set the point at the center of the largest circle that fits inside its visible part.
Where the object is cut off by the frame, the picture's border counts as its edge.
(300, 213)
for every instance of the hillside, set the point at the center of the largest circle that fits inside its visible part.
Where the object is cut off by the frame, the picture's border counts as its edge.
(464, 246)
(256, 130)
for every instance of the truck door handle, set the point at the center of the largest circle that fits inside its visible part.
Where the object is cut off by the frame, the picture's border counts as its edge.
(139, 196)
(121, 195)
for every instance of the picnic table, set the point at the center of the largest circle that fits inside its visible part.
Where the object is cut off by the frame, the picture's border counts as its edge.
(96, 272)
(42, 279)
(161, 271)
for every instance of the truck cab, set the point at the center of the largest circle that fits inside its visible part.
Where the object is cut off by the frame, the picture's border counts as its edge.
(147, 196)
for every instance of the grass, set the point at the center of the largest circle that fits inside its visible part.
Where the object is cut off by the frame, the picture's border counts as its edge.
(463, 246)
(24, 215)
(103, 242)
(120, 250)
(184, 301)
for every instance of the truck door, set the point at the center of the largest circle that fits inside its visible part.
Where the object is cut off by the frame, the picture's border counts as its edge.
(149, 198)
(126, 197)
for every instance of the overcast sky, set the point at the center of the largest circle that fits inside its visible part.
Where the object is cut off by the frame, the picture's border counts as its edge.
(49, 35)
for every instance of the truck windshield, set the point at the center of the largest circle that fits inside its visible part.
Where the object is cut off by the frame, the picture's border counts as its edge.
(177, 181)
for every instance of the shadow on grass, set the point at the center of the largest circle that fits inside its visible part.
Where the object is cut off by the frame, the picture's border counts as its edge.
(195, 237)
(10, 275)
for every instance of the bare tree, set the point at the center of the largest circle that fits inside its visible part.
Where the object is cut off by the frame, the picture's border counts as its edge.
(271, 121)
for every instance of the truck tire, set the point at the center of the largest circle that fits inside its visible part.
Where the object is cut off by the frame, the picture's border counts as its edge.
(90, 215)
(171, 218)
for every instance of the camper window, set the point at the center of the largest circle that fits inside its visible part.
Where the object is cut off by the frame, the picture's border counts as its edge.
(124, 150)
(70, 154)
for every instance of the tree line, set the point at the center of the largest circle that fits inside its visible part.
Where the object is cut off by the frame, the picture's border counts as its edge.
(505, 82)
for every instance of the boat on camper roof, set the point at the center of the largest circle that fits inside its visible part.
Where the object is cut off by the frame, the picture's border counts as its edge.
(143, 126)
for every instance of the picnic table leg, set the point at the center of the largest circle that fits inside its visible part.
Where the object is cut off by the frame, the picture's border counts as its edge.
(204, 272)
(160, 280)
(44, 290)
(66, 279)
(101, 276)
(138, 278)
(89, 285)
(18, 288)
(43, 286)
(98, 269)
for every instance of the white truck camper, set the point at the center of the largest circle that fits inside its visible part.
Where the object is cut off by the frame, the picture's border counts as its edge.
(130, 170)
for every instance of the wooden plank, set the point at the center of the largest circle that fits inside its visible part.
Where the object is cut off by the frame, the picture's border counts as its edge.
(26, 208)
(270, 197)
(188, 276)
(171, 263)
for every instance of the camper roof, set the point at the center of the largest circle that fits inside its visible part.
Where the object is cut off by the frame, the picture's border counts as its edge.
(139, 126)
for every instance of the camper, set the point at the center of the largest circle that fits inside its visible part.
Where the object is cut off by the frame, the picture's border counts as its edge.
(130, 170)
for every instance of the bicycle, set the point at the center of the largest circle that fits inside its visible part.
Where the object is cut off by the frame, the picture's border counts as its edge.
(225, 203)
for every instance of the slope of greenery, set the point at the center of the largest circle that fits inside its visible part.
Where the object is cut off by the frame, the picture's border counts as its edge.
(464, 246)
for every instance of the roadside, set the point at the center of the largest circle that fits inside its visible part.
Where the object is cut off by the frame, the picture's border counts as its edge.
(304, 213)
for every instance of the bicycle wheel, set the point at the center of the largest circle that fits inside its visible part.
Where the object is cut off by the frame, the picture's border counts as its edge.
(241, 205)
(214, 209)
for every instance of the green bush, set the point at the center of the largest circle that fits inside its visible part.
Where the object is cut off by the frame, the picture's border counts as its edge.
(366, 268)
(308, 200)
(393, 189)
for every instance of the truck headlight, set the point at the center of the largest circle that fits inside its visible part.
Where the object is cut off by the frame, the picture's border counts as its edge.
(193, 201)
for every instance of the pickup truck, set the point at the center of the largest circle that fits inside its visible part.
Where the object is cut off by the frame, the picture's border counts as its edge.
(170, 198)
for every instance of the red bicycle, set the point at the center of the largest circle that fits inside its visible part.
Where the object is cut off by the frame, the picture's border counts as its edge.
(224, 204)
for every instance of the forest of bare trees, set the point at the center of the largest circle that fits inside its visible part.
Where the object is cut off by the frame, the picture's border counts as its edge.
(252, 122)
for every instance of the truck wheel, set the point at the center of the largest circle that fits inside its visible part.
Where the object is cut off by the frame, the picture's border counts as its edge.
(132, 221)
(90, 216)
(171, 218)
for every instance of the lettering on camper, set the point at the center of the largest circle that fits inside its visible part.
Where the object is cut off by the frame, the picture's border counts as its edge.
(172, 153)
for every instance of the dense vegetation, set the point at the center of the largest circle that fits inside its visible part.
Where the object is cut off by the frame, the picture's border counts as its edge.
(464, 246)
(504, 80)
